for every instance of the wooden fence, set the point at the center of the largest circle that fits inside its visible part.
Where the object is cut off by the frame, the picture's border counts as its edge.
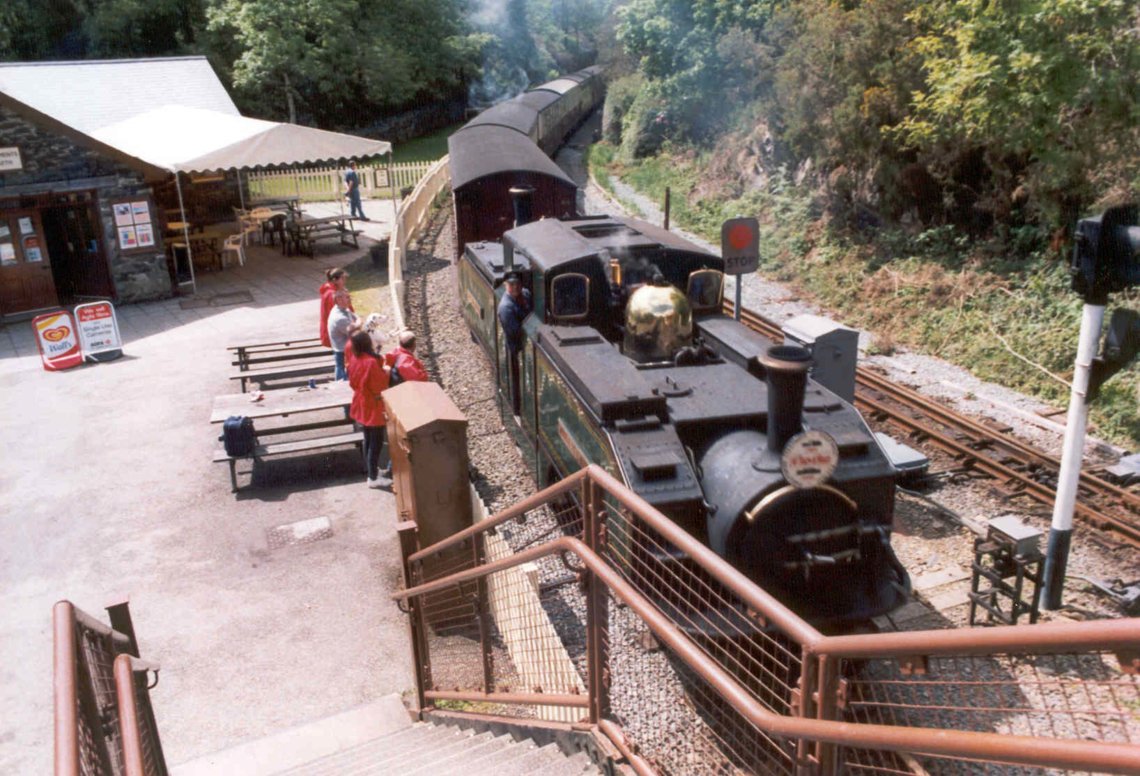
(317, 184)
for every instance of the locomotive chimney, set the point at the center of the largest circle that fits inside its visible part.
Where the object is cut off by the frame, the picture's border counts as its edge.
(787, 367)
(522, 197)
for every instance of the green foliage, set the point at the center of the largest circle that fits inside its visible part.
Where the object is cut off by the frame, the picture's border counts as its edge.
(645, 126)
(619, 97)
(338, 60)
(1049, 89)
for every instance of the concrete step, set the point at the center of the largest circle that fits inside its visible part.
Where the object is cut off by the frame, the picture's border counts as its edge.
(457, 760)
(532, 760)
(391, 747)
(381, 739)
(305, 743)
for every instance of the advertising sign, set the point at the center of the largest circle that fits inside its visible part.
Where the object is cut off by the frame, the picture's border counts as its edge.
(98, 331)
(57, 340)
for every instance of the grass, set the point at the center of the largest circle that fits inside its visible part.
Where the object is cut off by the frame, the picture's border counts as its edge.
(1009, 319)
(426, 148)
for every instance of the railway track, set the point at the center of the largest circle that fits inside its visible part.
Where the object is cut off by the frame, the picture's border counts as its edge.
(1019, 469)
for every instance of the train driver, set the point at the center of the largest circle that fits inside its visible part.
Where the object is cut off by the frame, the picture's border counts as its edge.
(514, 307)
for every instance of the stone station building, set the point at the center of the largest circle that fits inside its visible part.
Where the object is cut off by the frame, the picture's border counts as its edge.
(80, 219)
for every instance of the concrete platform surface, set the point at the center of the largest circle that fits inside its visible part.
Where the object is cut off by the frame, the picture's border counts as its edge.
(107, 488)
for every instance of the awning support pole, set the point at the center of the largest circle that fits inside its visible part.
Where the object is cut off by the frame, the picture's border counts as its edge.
(185, 236)
(241, 194)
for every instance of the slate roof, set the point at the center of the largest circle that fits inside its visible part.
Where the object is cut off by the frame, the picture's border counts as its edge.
(91, 94)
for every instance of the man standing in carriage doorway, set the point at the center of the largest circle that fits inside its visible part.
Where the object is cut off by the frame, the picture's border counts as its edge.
(514, 307)
(352, 185)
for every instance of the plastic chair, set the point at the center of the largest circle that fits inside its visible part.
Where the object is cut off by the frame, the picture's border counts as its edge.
(234, 243)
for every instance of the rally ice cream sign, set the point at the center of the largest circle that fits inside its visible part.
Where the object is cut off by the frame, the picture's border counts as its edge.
(58, 340)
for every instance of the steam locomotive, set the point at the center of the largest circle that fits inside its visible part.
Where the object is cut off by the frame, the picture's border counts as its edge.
(629, 362)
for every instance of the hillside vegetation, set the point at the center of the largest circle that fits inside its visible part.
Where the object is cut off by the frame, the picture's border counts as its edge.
(917, 166)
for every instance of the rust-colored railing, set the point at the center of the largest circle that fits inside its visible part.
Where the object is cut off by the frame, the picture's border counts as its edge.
(584, 604)
(142, 747)
(103, 718)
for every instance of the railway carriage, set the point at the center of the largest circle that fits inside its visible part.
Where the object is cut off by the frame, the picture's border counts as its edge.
(509, 145)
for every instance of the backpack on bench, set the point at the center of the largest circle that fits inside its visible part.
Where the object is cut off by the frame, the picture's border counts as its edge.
(237, 436)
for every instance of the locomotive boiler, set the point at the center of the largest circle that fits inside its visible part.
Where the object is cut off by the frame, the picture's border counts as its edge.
(629, 362)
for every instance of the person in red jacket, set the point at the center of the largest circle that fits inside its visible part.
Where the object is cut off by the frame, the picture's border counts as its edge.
(368, 378)
(335, 280)
(403, 359)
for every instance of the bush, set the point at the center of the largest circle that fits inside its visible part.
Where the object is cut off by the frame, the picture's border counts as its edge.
(619, 97)
(644, 127)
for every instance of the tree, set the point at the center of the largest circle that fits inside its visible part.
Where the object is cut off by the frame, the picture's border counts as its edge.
(1046, 93)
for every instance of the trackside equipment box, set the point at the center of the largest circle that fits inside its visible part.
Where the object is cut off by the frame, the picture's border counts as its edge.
(427, 436)
(834, 350)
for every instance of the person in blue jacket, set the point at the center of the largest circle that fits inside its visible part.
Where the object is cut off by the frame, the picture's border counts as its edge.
(352, 184)
(514, 307)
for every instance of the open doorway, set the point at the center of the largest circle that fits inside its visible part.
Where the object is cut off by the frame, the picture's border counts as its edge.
(78, 265)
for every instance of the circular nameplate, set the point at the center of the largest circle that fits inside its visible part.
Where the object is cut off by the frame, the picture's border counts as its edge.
(809, 459)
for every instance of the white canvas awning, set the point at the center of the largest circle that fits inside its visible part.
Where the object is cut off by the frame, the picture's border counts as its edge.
(183, 139)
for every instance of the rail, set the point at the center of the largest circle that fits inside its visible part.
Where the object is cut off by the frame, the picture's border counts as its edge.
(101, 724)
(678, 659)
(142, 747)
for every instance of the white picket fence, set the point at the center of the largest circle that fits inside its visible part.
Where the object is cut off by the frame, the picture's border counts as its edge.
(316, 184)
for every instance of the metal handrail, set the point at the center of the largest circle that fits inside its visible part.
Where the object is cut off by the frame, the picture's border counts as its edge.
(988, 746)
(1068, 753)
(130, 722)
(66, 619)
(761, 602)
(65, 690)
(1062, 753)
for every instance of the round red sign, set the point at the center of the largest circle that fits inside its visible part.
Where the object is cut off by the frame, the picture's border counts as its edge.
(809, 459)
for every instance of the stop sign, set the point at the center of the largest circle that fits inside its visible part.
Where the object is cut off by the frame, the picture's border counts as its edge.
(740, 245)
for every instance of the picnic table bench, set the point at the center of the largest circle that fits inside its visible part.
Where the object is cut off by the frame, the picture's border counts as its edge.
(306, 233)
(246, 358)
(321, 370)
(286, 403)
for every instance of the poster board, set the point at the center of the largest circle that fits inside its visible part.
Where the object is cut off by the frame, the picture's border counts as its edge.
(98, 331)
(57, 340)
(134, 225)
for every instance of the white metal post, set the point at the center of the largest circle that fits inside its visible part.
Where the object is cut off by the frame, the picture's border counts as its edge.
(185, 236)
(1061, 532)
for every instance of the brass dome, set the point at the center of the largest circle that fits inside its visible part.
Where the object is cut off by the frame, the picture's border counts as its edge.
(658, 323)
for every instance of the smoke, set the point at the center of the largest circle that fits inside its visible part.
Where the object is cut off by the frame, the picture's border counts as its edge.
(512, 60)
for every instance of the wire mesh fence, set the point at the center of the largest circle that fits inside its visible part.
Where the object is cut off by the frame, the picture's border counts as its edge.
(543, 626)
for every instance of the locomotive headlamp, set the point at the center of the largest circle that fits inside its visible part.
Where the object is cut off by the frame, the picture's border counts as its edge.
(1106, 253)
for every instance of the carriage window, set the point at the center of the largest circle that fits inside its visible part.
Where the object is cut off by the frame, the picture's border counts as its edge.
(706, 287)
(569, 296)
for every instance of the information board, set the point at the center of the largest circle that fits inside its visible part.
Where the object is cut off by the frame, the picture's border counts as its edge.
(57, 340)
(98, 331)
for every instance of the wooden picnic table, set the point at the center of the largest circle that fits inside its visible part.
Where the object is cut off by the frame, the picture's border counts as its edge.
(206, 244)
(319, 435)
(283, 402)
(306, 232)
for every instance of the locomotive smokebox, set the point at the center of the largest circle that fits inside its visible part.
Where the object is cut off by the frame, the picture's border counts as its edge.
(522, 197)
(787, 368)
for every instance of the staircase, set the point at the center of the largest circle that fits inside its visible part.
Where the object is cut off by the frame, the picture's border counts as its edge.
(382, 739)
(441, 749)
